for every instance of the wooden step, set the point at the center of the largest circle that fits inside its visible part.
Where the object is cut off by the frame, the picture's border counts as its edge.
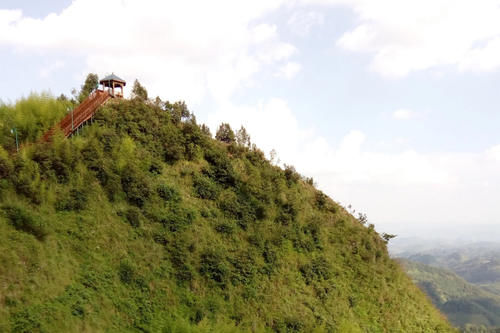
(79, 115)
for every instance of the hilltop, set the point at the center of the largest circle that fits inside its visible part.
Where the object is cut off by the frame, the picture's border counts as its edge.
(145, 223)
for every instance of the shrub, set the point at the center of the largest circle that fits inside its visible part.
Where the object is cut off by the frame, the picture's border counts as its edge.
(300, 241)
(77, 200)
(6, 165)
(214, 266)
(271, 258)
(294, 325)
(256, 156)
(173, 144)
(288, 325)
(178, 218)
(25, 179)
(287, 214)
(205, 188)
(22, 220)
(4, 184)
(313, 230)
(55, 160)
(244, 269)
(155, 167)
(168, 193)
(27, 320)
(133, 216)
(135, 186)
(241, 206)
(126, 272)
(225, 228)
(318, 269)
(178, 253)
(291, 175)
(321, 200)
(221, 170)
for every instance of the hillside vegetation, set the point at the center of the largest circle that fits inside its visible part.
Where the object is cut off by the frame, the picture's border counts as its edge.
(144, 223)
(464, 304)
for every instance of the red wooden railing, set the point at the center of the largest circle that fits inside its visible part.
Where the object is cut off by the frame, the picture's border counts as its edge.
(80, 114)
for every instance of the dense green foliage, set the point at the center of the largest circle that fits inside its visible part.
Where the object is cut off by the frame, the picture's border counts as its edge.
(465, 304)
(146, 224)
(31, 117)
(225, 133)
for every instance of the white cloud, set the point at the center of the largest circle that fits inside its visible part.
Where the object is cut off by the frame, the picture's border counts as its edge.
(184, 49)
(493, 153)
(301, 23)
(403, 114)
(264, 32)
(405, 36)
(46, 71)
(289, 70)
(193, 48)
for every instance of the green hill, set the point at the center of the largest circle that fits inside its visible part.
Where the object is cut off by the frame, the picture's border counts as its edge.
(462, 302)
(144, 223)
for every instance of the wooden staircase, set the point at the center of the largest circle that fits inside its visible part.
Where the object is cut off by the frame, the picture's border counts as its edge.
(80, 115)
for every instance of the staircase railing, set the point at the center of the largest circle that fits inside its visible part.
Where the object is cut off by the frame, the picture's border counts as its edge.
(80, 114)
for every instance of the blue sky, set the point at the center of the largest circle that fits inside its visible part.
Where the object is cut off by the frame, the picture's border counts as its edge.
(392, 107)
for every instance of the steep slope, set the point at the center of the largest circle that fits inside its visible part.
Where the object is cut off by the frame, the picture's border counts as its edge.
(145, 223)
(462, 302)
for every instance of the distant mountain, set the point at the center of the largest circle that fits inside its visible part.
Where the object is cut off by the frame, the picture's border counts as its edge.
(462, 302)
(477, 263)
(404, 246)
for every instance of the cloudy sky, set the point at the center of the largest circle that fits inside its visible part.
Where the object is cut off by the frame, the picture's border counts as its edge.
(390, 105)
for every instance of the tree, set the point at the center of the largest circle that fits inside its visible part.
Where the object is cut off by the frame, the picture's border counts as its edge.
(206, 130)
(274, 157)
(362, 218)
(180, 111)
(158, 102)
(225, 133)
(387, 237)
(138, 91)
(91, 83)
(242, 137)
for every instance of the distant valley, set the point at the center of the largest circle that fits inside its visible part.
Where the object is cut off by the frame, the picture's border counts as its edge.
(462, 281)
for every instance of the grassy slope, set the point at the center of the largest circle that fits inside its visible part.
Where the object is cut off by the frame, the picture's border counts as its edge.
(462, 302)
(144, 223)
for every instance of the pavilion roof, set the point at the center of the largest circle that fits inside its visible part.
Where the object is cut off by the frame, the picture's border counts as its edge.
(112, 77)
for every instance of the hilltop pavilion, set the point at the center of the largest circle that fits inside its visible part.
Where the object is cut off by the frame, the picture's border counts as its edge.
(111, 82)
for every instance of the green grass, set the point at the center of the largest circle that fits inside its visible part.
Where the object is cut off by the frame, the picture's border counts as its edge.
(146, 224)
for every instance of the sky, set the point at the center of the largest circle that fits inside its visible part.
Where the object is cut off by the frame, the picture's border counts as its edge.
(390, 105)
